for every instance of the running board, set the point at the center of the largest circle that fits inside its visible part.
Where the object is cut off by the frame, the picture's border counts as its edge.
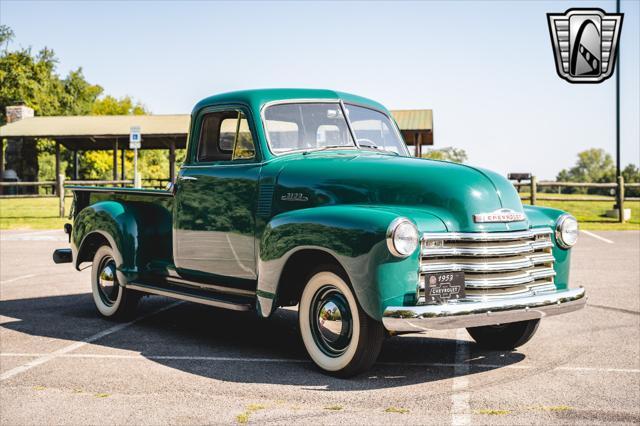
(190, 298)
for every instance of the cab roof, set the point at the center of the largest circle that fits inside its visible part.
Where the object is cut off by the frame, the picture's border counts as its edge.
(256, 98)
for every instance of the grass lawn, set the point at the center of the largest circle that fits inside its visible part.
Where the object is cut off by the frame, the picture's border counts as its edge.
(590, 214)
(41, 213)
(32, 213)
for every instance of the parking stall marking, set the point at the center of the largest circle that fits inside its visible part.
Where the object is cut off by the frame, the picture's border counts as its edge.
(596, 236)
(50, 235)
(21, 277)
(460, 408)
(461, 366)
(44, 358)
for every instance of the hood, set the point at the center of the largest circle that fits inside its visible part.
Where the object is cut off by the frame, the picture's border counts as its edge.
(452, 192)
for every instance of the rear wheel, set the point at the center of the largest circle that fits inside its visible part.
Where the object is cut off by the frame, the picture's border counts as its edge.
(338, 335)
(504, 336)
(111, 299)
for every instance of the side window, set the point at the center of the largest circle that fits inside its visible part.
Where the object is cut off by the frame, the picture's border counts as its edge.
(225, 136)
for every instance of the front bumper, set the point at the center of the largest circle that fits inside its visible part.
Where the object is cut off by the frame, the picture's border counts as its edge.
(463, 314)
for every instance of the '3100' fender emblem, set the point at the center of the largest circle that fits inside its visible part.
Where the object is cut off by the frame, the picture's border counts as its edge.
(500, 215)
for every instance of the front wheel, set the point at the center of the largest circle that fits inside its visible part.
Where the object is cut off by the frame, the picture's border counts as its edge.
(338, 335)
(111, 299)
(504, 336)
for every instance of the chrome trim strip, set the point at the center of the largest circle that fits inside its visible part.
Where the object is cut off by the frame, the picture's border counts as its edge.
(490, 265)
(137, 191)
(189, 298)
(486, 236)
(530, 291)
(527, 247)
(349, 126)
(462, 314)
(501, 282)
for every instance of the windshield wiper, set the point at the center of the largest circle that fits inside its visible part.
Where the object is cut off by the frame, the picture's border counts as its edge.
(325, 148)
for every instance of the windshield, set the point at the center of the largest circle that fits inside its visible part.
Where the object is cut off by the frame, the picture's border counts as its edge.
(375, 130)
(310, 126)
(295, 127)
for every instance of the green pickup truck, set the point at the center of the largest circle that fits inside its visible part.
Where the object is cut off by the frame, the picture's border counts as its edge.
(311, 198)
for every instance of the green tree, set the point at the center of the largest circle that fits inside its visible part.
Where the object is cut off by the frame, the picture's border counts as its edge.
(631, 174)
(109, 105)
(99, 164)
(593, 165)
(456, 155)
(31, 78)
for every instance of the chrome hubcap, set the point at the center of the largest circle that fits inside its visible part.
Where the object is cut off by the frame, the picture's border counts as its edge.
(107, 281)
(331, 322)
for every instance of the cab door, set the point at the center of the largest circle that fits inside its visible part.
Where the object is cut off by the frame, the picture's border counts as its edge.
(216, 193)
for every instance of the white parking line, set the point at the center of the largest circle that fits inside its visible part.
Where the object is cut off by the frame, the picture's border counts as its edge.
(22, 277)
(461, 366)
(49, 356)
(460, 409)
(30, 237)
(591, 234)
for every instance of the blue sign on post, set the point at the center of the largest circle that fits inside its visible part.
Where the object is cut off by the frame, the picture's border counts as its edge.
(135, 139)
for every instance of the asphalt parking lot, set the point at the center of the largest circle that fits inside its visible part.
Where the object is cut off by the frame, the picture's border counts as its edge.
(184, 363)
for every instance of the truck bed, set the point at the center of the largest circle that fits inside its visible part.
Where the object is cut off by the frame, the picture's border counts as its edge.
(87, 195)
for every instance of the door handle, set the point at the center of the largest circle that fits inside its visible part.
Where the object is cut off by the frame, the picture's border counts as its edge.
(187, 178)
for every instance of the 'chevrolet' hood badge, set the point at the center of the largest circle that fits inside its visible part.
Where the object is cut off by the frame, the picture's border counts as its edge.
(500, 215)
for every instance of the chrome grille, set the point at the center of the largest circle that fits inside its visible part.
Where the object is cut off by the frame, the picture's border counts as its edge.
(496, 264)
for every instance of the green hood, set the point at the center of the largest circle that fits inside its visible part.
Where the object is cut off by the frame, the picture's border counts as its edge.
(452, 192)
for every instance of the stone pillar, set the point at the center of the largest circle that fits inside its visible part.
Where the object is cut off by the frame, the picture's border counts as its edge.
(18, 112)
(21, 154)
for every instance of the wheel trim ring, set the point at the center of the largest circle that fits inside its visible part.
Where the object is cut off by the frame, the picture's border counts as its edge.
(108, 267)
(336, 347)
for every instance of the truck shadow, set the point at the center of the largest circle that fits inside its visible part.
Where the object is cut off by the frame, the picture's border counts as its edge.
(239, 347)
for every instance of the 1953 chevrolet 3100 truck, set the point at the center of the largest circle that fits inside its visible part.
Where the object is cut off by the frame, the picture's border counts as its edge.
(311, 198)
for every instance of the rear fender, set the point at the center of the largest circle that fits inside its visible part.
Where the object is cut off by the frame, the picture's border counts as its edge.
(116, 223)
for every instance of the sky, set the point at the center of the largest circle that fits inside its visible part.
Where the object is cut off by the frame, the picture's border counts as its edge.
(485, 68)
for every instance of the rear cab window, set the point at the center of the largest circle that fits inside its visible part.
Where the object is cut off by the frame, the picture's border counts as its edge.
(225, 136)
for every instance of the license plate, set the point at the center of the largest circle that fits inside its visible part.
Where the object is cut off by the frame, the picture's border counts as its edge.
(443, 287)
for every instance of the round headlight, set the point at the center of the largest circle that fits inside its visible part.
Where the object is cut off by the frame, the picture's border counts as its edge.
(566, 231)
(402, 237)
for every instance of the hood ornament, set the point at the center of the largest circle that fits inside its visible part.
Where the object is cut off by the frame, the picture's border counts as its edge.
(500, 215)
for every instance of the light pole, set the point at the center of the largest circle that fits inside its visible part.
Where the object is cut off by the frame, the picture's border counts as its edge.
(618, 105)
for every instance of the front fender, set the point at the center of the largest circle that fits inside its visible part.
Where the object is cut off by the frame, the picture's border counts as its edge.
(356, 237)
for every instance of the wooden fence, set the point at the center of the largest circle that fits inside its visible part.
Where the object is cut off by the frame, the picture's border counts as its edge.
(59, 188)
(619, 188)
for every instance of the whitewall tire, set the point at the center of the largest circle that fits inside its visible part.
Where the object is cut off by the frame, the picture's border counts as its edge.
(338, 335)
(111, 299)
